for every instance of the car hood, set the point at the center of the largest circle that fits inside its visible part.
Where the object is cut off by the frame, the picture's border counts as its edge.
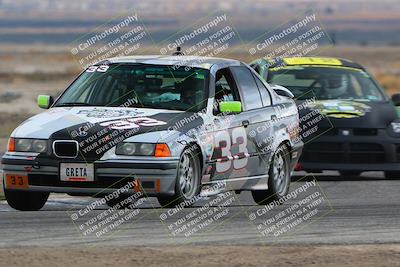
(47, 123)
(89, 125)
(352, 114)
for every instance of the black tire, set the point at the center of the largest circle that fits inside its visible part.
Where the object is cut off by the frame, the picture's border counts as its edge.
(25, 200)
(349, 173)
(276, 190)
(392, 175)
(182, 181)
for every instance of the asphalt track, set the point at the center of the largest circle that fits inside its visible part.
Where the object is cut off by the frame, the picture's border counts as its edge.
(354, 210)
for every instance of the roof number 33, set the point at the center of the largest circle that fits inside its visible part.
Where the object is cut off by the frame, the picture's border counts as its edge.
(101, 68)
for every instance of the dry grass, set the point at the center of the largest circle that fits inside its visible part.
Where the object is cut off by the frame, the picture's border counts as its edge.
(6, 127)
(390, 82)
(9, 121)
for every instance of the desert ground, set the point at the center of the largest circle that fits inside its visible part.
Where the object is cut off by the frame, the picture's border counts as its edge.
(329, 256)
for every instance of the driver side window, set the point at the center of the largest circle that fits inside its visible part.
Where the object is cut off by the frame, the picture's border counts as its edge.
(225, 89)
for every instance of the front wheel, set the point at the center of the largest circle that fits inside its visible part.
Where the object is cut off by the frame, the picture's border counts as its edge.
(25, 200)
(392, 175)
(278, 181)
(188, 178)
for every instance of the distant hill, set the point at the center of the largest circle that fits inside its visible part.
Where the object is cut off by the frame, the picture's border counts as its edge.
(47, 21)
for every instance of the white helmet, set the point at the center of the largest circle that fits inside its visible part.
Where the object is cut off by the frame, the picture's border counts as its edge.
(336, 85)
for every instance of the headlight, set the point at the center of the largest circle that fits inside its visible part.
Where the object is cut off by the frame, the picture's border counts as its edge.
(396, 127)
(126, 149)
(39, 145)
(23, 145)
(147, 149)
(30, 145)
(142, 149)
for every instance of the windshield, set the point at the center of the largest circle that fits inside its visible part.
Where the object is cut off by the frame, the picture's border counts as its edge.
(134, 85)
(325, 83)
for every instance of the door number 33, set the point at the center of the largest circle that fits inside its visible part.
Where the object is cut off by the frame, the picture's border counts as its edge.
(224, 142)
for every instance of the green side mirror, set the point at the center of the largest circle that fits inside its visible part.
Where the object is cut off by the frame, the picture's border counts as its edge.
(230, 107)
(44, 101)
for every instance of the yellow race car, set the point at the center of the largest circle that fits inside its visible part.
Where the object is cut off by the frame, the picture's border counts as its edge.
(358, 128)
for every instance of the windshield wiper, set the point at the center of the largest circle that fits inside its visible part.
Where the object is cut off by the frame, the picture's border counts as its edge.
(72, 104)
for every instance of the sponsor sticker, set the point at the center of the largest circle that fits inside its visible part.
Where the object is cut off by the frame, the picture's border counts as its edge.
(17, 181)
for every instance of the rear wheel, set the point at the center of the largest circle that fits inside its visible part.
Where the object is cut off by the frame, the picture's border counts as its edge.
(349, 173)
(187, 184)
(392, 175)
(25, 200)
(278, 181)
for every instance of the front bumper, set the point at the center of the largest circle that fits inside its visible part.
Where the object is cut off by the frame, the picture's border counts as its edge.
(373, 151)
(152, 177)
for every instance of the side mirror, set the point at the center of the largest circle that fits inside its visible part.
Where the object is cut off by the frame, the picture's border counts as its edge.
(230, 107)
(282, 91)
(396, 99)
(44, 101)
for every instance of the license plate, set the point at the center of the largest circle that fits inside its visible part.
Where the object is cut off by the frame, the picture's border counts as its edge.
(76, 172)
(16, 181)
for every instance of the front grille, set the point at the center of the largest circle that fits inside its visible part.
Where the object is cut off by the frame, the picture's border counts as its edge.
(318, 157)
(324, 146)
(366, 147)
(325, 152)
(355, 131)
(65, 149)
(365, 132)
(322, 152)
(366, 153)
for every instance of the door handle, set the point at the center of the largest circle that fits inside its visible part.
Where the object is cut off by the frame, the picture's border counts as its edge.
(245, 123)
(274, 117)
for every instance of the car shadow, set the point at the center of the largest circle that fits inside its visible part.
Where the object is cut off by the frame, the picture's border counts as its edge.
(336, 177)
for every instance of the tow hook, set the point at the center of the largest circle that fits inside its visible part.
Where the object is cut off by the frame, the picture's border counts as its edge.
(36, 165)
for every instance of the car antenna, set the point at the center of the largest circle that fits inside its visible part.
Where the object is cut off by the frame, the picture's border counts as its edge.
(178, 52)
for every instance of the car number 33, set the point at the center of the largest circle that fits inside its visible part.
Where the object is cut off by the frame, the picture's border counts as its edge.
(132, 123)
(224, 142)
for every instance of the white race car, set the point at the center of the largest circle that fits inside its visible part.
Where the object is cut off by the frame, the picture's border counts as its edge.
(167, 126)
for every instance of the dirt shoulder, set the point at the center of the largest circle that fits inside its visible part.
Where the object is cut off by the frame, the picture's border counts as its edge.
(338, 255)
